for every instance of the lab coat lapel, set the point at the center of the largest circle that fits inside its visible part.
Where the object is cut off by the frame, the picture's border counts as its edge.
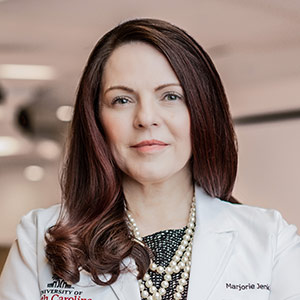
(126, 287)
(214, 241)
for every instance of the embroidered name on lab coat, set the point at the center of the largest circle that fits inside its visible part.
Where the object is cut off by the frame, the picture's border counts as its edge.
(248, 286)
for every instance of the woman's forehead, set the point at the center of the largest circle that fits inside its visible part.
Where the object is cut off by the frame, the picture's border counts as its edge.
(137, 63)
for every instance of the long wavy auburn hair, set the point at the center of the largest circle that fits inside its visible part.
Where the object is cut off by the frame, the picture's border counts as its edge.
(91, 232)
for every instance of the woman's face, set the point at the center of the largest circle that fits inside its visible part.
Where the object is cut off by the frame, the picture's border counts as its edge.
(144, 114)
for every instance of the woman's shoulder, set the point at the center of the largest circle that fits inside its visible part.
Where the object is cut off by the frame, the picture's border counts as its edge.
(262, 223)
(37, 221)
(43, 215)
(251, 213)
(241, 217)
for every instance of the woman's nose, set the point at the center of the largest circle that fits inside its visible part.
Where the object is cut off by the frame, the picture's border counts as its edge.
(146, 114)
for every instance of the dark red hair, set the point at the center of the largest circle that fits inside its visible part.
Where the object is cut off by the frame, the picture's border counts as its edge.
(91, 232)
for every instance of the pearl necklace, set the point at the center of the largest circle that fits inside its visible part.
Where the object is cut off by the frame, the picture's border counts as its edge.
(180, 261)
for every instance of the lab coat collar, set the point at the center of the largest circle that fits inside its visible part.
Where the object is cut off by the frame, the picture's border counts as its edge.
(213, 243)
(126, 287)
(214, 240)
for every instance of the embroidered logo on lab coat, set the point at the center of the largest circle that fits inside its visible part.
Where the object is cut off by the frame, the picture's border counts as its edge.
(58, 282)
(58, 289)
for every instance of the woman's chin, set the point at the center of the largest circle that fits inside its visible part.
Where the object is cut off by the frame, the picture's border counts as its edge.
(149, 179)
(156, 176)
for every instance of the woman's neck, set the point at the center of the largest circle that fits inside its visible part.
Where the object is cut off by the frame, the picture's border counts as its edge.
(159, 206)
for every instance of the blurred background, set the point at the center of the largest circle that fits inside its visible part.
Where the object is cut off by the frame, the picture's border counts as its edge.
(44, 46)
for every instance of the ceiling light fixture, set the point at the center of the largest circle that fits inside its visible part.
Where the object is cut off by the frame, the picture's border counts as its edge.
(29, 72)
(48, 149)
(8, 146)
(65, 113)
(34, 173)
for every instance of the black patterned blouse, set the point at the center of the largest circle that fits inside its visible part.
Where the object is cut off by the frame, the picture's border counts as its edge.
(164, 245)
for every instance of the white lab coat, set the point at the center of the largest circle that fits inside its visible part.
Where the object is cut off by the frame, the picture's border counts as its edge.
(239, 252)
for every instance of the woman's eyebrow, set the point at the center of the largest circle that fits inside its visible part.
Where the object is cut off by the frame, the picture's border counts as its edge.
(127, 89)
(119, 87)
(166, 85)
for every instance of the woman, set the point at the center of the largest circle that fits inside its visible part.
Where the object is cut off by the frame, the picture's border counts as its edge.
(151, 153)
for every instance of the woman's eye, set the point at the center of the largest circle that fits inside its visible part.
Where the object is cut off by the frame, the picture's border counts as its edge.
(172, 97)
(120, 100)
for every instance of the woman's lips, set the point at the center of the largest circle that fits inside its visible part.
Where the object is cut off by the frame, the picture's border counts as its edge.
(150, 146)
